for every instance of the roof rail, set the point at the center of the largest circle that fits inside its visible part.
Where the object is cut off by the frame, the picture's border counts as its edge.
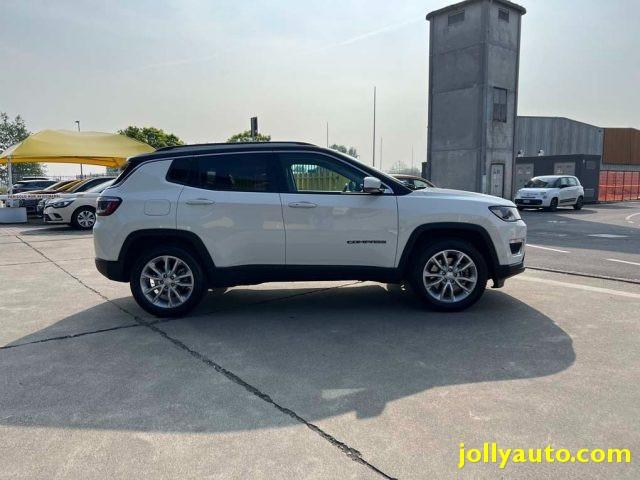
(215, 144)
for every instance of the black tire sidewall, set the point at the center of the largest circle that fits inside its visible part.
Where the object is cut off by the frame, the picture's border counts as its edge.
(420, 260)
(74, 218)
(553, 206)
(578, 205)
(199, 279)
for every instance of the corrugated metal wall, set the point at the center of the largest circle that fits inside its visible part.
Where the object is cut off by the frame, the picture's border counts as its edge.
(621, 146)
(557, 136)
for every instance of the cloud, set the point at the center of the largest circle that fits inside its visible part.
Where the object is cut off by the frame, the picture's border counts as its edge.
(364, 36)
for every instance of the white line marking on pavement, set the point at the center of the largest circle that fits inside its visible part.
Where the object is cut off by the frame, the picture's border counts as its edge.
(577, 286)
(547, 248)
(607, 235)
(629, 217)
(622, 261)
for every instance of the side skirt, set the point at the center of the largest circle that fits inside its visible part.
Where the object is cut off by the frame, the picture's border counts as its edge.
(254, 274)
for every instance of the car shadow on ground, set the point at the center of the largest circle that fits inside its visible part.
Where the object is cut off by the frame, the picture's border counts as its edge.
(351, 350)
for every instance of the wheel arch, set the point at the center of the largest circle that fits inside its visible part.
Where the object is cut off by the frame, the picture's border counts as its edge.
(140, 240)
(429, 233)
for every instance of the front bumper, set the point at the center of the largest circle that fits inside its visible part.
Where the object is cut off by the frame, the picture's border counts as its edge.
(530, 202)
(502, 272)
(50, 215)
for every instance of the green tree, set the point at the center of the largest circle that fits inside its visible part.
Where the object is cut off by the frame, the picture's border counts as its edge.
(155, 137)
(351, 151)
(246, 137)
(12, 132)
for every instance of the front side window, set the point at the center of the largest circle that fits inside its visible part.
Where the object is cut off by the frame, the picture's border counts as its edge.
(499, 105)
(308, 172)
(240, 172)
(419, 184)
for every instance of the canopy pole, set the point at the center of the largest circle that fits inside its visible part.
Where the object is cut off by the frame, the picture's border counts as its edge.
(10, 180)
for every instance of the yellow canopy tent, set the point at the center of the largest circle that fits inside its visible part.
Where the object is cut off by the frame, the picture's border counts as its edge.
(64, 146)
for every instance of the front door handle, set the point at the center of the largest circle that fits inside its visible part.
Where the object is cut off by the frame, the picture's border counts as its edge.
(199, 201)
(302, 205)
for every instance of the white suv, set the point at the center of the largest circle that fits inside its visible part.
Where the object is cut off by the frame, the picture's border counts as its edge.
(550, 192)
(184, 219)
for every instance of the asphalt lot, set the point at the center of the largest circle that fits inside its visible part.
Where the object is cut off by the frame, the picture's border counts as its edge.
(599, 240)
(315, 380)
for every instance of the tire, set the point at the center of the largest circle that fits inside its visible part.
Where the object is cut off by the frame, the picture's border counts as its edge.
(553, 206)
(84, 218)
(178, 295)
(424, 264)
(578, 204)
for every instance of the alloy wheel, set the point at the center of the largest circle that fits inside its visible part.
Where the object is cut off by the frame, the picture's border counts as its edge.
(166, 281)
(450, 276)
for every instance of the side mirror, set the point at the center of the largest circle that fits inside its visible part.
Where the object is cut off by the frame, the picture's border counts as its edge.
(372, 185)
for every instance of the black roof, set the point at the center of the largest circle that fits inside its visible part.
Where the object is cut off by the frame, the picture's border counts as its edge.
(207, 148)
(204, 148)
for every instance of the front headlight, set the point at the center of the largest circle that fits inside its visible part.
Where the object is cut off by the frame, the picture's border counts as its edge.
(61, 203)
(508, 214)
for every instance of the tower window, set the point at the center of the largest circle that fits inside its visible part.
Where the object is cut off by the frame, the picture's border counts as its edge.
(503, 15)
(499, 105)
(456, 17)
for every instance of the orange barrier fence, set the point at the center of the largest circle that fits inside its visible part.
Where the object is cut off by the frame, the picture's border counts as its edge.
(617, 186)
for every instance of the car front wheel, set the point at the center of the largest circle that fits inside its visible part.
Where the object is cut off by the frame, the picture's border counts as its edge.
(449, 275)
(83, 218)
(167, 282)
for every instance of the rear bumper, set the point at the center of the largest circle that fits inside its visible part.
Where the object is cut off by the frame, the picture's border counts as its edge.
(111, 269)
(502, 272)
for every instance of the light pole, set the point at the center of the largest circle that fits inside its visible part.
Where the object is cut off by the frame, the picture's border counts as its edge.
(78, 124)
(374, 126)
(327, 134)
(380, 154)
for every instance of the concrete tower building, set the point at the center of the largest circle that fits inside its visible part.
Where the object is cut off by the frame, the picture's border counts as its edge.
(474, 51)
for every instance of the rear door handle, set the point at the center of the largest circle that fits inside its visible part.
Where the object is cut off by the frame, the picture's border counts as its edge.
(199, 201)
(302, 205)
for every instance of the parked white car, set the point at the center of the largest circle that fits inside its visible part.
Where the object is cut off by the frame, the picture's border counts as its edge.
(184, 219)
(75, 209)
(551, 192)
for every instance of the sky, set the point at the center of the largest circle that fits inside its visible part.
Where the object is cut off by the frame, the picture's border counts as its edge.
(202, 68)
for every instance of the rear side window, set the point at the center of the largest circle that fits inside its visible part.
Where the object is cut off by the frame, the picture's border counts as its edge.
(181, 171)
(239, 172)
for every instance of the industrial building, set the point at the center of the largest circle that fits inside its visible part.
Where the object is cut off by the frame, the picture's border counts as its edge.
(606, 160)
(475, 139)
(474, 51)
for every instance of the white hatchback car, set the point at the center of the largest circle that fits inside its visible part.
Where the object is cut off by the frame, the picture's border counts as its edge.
(550, 192)
(75, 209)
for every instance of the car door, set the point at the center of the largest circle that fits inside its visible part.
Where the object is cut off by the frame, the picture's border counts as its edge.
(231, 202)
(329, 220)
(565, 194)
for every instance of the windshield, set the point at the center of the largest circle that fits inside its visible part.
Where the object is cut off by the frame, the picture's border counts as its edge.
(540, 182)
(100, 187)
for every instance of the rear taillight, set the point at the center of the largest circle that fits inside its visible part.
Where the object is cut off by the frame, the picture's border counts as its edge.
(107, 205)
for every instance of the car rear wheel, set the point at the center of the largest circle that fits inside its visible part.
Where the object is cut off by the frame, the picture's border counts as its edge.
(578, 204)
(449, 275)
(167, 282)
(83, 218)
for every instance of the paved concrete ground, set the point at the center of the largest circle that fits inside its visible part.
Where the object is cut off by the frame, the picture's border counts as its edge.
(310, 380)
(597, 240)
